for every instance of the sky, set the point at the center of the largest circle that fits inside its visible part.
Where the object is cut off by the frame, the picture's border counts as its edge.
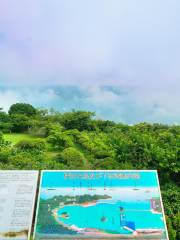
(118, 58)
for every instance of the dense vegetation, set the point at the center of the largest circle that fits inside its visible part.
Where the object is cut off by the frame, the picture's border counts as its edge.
(37, 139)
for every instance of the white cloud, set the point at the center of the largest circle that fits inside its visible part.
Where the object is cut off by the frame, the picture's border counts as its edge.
(7, 98)
(113, 103)
(101, 96)
(159, 104)
(104, 42)
(39, 96)
(35, 96)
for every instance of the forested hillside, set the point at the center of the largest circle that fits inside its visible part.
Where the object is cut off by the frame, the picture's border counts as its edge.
(31, 138)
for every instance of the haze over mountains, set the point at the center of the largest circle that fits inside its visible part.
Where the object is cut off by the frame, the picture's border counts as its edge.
(121, 104)
(131, 46)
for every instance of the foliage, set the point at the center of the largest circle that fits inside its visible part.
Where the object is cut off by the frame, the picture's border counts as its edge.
(171, 231)
(72, 158)
(1, 139)
(41, 139)
(171, 198)
(31, 145)
(80, 120)
(20, 123)
(5, 124)
(22, 108)
(60, 138)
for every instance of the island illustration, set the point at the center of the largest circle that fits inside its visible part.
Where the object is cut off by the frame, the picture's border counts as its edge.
(99, 206)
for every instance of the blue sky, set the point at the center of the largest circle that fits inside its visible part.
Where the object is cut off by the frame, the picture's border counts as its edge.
(118, 58)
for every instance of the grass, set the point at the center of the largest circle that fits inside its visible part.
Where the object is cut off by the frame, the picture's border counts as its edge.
(16, 137)
(51, 153)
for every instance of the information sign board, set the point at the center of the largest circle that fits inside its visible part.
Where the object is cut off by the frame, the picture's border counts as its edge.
(100, 205)
(17, 197)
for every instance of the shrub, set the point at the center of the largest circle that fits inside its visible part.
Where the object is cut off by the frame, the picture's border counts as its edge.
(1, 139)
(38, 131)
(4, 155)
(73, 158)
(31, 145)
(171, 231)
(60, 139)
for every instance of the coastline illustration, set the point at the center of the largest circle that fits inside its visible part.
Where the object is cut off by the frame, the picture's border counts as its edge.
(81, 212)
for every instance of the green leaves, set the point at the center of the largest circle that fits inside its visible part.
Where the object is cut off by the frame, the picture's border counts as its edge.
(73, 158)
(80, 120)
(60, 138)
(22, 108)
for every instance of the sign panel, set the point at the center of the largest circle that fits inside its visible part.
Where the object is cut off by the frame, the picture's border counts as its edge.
(17, 197)
(100, 205)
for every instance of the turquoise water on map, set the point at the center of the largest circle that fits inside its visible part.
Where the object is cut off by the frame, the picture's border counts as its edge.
(91, 217)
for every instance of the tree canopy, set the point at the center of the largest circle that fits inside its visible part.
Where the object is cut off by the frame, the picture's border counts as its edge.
(22, 108)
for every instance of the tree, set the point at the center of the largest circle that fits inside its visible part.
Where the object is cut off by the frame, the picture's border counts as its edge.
(4, 117)
(103, 125)
(20, 123)
(80, 120)
(22, 108)
(5, 122)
